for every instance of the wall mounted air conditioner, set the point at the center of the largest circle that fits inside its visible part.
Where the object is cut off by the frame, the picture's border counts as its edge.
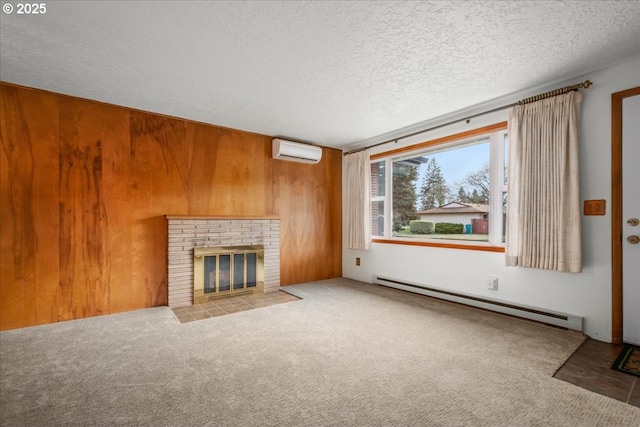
(296, 152)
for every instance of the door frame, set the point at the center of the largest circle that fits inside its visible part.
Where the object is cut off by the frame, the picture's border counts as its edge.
(616, 211)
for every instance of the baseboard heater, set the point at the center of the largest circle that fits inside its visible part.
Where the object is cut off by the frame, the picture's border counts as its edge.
(562, 320)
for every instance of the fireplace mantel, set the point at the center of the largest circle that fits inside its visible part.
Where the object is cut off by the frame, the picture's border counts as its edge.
(188, 232)
(217, 217)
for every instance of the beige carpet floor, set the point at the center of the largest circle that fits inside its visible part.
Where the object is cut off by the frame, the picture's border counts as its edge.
(346, 354)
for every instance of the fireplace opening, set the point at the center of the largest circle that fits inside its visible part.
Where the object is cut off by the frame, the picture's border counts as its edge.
(227, 271)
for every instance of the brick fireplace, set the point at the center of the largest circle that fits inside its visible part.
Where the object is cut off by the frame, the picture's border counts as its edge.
(186, 233)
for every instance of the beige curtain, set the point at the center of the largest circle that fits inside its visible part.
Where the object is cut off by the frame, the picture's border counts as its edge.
(358, 201)
(543, 209)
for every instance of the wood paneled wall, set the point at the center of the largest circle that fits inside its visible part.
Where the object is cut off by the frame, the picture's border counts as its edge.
(85, 186)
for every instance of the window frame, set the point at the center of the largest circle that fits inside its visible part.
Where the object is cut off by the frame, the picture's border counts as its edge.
(495, 134)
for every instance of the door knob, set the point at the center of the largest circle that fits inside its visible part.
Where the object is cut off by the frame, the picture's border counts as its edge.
(633, 222)
(633, 239)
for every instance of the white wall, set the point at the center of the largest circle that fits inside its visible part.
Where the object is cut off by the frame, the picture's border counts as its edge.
(587, 294)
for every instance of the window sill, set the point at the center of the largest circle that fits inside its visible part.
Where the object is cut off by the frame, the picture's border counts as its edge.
(448, 244)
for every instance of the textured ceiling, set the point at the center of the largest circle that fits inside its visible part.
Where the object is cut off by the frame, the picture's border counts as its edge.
(331, 73)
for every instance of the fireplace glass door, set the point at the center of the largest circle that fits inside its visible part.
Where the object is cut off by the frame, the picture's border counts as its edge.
(210, 267)
(252, 270)
(226, 271)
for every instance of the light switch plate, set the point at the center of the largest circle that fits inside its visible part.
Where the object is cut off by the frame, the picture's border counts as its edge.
(595, 207)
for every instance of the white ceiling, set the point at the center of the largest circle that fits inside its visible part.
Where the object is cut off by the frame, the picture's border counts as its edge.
(332, 73)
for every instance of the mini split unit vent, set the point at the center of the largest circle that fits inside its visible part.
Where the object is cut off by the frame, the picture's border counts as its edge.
(296, 152)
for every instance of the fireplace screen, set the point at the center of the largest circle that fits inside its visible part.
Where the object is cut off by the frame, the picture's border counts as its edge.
(223, 271)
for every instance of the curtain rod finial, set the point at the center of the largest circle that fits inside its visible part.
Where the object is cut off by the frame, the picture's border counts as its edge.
(586, 84)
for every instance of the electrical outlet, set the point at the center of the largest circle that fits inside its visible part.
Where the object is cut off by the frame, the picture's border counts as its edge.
(492, 283)
(358, 261)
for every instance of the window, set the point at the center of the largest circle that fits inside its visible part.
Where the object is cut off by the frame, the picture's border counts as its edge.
(449, 190)
(378, 188)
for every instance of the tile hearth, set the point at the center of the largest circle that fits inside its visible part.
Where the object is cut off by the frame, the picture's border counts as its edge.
(229, 305)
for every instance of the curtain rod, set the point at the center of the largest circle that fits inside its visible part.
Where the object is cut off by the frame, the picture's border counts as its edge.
(529, 100)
